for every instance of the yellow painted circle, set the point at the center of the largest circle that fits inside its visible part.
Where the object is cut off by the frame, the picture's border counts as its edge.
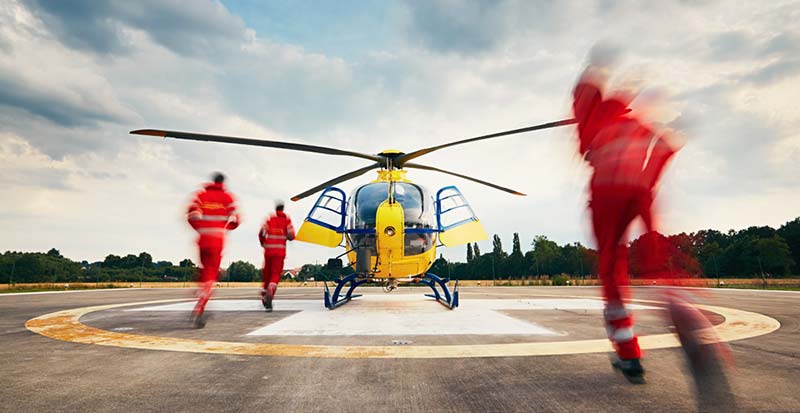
(65, 325)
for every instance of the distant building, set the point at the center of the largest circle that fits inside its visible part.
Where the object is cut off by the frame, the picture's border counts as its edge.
(290, 273)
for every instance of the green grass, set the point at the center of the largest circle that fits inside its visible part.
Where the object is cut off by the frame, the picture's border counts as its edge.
(761, 287)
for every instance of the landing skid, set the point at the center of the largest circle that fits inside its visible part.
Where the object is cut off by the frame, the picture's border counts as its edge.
(448, 300)
(338, 299)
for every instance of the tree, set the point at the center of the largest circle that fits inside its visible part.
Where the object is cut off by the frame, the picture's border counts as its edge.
(497, 246)
(186, 263)
(469, 253)
(54, 253)
(476, 250)
(145, 260)
(516, 261)
(242, 271)
(589, 259)
(440, 267)
(545, 256)
(790, 232)
(129, 261)
(112, 261)
(774, 256)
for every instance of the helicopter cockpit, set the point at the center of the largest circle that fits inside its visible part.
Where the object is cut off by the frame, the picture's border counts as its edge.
(419, 233)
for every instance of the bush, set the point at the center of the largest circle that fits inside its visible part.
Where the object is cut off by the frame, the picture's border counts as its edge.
(560, 279)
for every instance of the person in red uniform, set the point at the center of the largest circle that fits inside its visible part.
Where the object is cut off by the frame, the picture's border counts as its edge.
(616, 143)
(212, 214)
(273, 236)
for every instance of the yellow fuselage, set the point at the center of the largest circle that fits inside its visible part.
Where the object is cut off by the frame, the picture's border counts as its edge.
(391, 261)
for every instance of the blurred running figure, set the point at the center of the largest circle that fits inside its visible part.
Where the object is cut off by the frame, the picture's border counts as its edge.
(616, 145)
(628, 157)
(273, 235)
(212, 213)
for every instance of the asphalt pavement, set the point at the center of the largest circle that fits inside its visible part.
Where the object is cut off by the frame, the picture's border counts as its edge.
(39, 373)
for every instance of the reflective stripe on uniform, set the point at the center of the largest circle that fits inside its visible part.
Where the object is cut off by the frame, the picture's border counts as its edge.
(211, 230)
(622, 335)
(275, 246)
(276, 236)
(615, 312)
(214, 218)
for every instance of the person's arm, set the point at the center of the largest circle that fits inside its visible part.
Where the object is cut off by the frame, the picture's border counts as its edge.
(663, 151)
(194, 214)
(262, 236)
(233, 214)
(289, 229)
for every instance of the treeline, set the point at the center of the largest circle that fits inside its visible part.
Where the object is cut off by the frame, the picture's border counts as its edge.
(752, 252)
(245, 271)
(52, 267)
(545, 258)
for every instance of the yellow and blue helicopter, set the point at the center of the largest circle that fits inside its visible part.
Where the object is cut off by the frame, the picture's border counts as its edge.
(390, 227)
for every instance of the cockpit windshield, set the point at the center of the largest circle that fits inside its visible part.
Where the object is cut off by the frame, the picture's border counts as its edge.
(417, 212)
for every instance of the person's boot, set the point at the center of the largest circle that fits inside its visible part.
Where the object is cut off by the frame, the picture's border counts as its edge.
(198, 319)
(266, 301)
(630, 368)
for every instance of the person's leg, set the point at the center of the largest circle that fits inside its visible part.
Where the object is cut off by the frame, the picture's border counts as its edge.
(266, 297)
(265, 271)
(276, 267)
(209, 273)
(612, 212)
(706, 355)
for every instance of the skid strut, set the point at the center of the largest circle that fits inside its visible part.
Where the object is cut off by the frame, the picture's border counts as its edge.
(337, 298)
(448, 300)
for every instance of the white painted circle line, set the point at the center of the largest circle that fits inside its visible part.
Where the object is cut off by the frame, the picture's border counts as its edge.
(65, 325)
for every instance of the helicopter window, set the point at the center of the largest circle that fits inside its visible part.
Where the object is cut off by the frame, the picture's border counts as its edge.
(417, 216)
(367, 199)
(328, 210)
(453, 209)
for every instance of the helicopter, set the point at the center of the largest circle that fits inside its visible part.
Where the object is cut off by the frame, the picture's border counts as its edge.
(390, 227)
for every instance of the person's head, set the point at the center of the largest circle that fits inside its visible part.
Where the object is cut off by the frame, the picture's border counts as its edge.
(217, 177)
(278, 205)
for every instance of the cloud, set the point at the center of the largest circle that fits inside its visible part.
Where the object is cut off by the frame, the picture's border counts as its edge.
(458, 26)
(74, 82)
(200, 28)
(775, 72)
(732, 45)
(67, 106)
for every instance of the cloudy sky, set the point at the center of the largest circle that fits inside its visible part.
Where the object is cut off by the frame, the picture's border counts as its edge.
(76, 76)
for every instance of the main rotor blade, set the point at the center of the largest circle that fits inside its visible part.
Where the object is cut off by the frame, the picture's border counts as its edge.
(254, 142)
(430, 168)
(338, 179)
(401, 160)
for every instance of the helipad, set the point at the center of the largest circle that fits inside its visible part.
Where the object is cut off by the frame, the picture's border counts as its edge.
(405, 315)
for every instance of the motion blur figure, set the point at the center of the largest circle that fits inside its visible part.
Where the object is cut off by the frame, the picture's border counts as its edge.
(628, 157)
(212, 213)
(273, 236)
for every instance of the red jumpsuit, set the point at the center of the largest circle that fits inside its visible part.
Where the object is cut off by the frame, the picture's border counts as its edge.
(273, 235)
(212, 213)
(616, 146)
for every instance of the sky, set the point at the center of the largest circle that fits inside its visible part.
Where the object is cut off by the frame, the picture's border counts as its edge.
(76, 77)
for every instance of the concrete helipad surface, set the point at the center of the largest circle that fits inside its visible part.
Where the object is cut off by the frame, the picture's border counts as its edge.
(504, 349)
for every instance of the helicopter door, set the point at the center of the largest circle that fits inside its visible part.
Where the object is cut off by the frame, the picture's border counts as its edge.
(324, 224)
(455, 219)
